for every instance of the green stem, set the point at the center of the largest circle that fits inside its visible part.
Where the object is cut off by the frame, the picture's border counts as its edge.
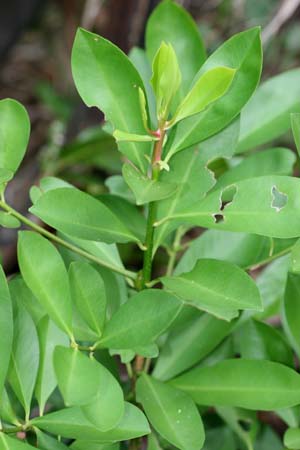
(174, 250)
(126, 273)
(13, 430)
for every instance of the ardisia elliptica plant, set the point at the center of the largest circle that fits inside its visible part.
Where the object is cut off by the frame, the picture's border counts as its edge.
(197, 354)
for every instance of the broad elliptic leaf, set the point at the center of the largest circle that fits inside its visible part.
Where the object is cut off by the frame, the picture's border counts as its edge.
(25, 354)
(88, 293)
(141, 319)
(291, 438)
(171, 23)
(171, 412)
(243, 383)
(46, 442)
(9, 221)
(76, 213)
(222, 296)
(72, 423)
(268, 205)
(107, 79)
(84, 382)
(93, 445)
(146, 190)
(45, 274)
(295, 122)
(241, 52)
(49, 337)
(291, 311)
(13, 116)
(263, 124)
(9, 443)
(6, 326)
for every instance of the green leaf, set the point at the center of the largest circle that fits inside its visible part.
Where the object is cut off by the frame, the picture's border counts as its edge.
(9, 443)
(146, 190)
(153, 443)
(7, 413)
(6, 326)
(13, 116)
(171, 412)
(291, 438)
(244, 383)
(107, 79)
(141, 320)
(124, 136)
(166, 79)
(5, 175)
(45, 274)
(9, 221)
(83, 381)
(93, 445)
(267, 205)
(171, 23)
(46, 442)
(49, 337)
(211, 86)
(88, 293)
(21, 293)
(291, 311)
(241, 52)
(189, 344)
(295, 258)
(235, 419)
(117, 187)
(25, 354)
(260, 125)
(80, 215)
(72, 423)
(295, 122)
(221, 438)
(222, 296)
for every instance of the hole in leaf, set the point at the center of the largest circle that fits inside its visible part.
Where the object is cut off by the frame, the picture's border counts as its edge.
(245, 424)
(279, 199)
(218, 218)
(227, 196)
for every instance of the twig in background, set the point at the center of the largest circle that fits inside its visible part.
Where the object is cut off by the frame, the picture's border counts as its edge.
(285, 12)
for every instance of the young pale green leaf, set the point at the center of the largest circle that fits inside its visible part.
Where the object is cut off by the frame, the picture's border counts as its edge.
(189, 344)
(211, 86)
(172, 413)
(146, 190)
(295, 122)
(107, 79)
(49, 337)
(45, 274)
(9, 443)
(13, 116)
(170, 23)
(222, 296)
(260, 125)
(241, 52)
(93, 445)
(25, 354)
(141, 320)
(78, 214)
(166, 79)
(46, 442)
(291, 438)
(9, 221)
(72, 423)
(243, 383)
(88, 292)
(267, 205)
(123, 136)
(6, 326)
(291, 310)
(84, 382)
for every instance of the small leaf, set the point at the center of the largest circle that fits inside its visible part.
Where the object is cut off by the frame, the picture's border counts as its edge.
(211, 86)
(88, 292)
(6, 326)
(291, 438)
(172, 413)
(143, 105)
(295, 122)
(146, 190)
(9, 221)
(80, 215)
(222, 296)
(141, 320)
(243, 383)
(123, 136)
(45, 274)
(13, 116)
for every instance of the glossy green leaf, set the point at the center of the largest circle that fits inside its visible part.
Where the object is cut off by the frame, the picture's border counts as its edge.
(25, 354)
(260, 125)
(7, 413)
(106, 78)
(84, 382)
(9, 221)
(221, 438)
(141, 320)
(46, 442)
(169, 22)
(78, 214)
(244, 383)
(49, 337)
(171, 412)
(291, 438)
(295, 122)
(222, 296)
(72, 423)
(123, 136)
(241, 52)
(291, 310)
(88, 293)
(6, 326)
(93, 445)
(235, 419)
(189, 344)
(212, 85)
(13, 144)
(9, 443)
(146, 190)
(45, 274)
